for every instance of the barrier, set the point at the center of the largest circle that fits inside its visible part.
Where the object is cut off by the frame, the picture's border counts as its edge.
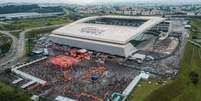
(28, 76)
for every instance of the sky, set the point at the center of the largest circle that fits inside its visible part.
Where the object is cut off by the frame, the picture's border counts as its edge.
(96, 1)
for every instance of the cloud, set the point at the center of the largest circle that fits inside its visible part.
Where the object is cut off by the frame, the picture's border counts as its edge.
(97, 1)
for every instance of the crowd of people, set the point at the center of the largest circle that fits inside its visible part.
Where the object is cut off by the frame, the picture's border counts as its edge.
(111, 78)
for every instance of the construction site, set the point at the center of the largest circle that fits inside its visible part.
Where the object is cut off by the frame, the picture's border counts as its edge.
(62, 71)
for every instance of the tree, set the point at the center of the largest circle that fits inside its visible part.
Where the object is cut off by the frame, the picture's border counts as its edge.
(194, 77)
(8, 93)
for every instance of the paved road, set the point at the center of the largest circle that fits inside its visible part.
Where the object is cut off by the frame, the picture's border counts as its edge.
(12, 51)
(17, 50)
(21, 48)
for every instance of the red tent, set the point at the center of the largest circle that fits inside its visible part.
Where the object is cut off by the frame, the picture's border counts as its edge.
(63, 61)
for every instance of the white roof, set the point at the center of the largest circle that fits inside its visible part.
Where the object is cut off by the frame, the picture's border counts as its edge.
(107, 33)
(144, 75)
(28, 84)
(139, 56)
(61, 98)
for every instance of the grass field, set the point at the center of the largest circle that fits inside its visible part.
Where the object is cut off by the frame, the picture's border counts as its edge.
(31, 23)
(16, 33)
(197, 30)
(143, 89)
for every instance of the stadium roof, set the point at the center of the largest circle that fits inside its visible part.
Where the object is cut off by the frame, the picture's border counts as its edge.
(107, 33)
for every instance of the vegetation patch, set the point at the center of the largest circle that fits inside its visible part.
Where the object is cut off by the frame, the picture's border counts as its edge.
(8, 93)
(31, 23)
(143, 89)
(5, 44)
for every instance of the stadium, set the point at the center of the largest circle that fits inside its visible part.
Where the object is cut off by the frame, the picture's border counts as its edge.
(101, 58)
(115, 35)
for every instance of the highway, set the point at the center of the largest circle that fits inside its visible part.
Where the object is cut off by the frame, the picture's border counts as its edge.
(17, 50)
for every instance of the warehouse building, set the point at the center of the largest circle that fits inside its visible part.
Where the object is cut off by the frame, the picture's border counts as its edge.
(114, 35)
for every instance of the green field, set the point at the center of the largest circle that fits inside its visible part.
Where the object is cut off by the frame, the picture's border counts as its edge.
(31, 23)
(196, 30)
(143, 89)
(16, 33)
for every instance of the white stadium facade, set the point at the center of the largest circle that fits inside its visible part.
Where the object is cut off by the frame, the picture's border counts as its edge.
(108, 34)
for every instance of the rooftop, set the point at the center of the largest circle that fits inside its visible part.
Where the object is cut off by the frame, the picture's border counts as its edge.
(108, 32)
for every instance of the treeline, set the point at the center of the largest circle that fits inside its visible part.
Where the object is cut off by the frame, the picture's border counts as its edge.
(5, 48)
(195, 29)
(5, 44)
(8, 93)
(28, 8)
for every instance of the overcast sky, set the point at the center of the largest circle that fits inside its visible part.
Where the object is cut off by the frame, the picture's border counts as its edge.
(95, 1)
